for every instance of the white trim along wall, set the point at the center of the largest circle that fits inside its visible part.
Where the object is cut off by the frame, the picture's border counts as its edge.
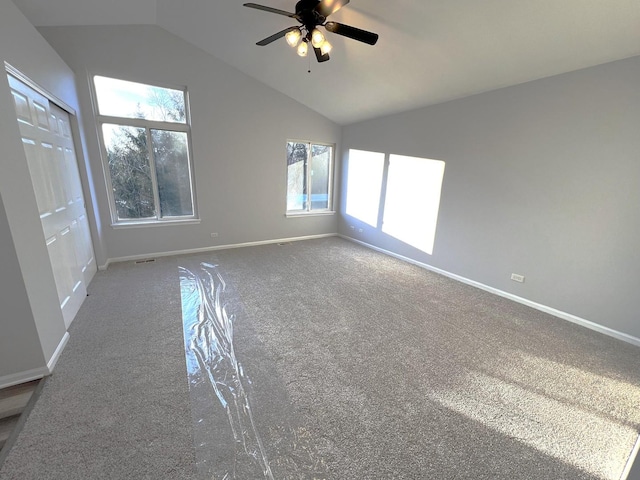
(543, 308)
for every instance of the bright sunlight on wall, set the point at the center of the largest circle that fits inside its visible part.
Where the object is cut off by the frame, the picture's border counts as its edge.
(364, 184)
(412, 200)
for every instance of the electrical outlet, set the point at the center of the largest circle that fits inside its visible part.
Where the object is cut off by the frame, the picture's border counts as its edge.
(360, 230)
(517, 278)
(214, 235)
(352, 227)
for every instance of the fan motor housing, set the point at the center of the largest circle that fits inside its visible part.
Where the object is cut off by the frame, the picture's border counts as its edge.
(303, 5)
(307, 15)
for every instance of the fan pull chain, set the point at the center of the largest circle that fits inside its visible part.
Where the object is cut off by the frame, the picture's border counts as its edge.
(309, 58)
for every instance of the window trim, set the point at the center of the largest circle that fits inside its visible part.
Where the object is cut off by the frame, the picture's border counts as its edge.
(309, 212)
(312, 213)
(148, 125)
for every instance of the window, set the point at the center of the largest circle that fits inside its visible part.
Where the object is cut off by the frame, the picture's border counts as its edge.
(145, 135)
(309, 177)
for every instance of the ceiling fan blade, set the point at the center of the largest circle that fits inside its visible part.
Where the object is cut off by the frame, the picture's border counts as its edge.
(327, 7)
(269, 9)
(275, 36)
(321, 58)
(352, 32)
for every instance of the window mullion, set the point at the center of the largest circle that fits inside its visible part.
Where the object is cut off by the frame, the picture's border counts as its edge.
(308, 175)
(154, 177)
(143, 123)
(330, 173)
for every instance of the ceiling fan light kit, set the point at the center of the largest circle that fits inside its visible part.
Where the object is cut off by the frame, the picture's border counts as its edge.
(293, 37)
(317, 38)
(313, 14)
(303, 48)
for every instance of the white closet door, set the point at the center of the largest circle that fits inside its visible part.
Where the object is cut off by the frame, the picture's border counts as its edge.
(46, 136)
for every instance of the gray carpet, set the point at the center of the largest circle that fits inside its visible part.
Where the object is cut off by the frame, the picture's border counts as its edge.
(362, 367)
(117, 405)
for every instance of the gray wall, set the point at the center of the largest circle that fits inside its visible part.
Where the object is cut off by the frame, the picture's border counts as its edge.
(239, 133)
(19, 343)
(541, 179)
(35, 328)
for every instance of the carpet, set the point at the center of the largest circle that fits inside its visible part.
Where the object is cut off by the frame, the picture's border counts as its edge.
(360, 366)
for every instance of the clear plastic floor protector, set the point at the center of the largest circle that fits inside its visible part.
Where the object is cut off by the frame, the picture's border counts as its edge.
(228, 442)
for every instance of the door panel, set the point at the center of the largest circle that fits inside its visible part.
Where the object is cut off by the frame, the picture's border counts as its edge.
(22, 107)
(85, 259)
(44, 195)
(48, 144)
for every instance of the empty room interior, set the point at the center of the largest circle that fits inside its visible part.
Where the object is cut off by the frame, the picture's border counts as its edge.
(320, 239)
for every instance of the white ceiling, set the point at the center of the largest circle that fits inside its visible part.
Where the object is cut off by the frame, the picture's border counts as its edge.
(429, 51)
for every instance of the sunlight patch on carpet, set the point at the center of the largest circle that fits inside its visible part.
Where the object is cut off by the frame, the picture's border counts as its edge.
(551, 421)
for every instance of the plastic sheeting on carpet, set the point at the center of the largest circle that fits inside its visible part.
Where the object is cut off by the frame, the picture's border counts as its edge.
(229, 444)
(216, 376)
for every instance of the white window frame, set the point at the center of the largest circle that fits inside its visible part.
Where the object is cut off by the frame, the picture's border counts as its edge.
(309, 211)
(148, 125)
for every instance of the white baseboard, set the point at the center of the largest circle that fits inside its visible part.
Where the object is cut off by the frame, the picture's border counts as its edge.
(543, 308)
(630, 463)
(36, 373)
(211, 249)
(23, 377)
(51, 364)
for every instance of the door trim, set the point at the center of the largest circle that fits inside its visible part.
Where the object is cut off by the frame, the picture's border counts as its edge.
(24, 79)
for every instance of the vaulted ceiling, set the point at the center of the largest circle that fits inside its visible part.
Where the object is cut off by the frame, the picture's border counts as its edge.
(429, 51)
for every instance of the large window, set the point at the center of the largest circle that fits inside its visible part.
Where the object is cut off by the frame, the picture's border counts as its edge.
(309, 177)
(145, 135)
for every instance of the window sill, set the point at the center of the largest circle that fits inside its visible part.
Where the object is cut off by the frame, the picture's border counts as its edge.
(156, 223)
(310, 214)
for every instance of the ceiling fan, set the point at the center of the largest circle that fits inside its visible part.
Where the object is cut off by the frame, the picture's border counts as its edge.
(312, 14)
